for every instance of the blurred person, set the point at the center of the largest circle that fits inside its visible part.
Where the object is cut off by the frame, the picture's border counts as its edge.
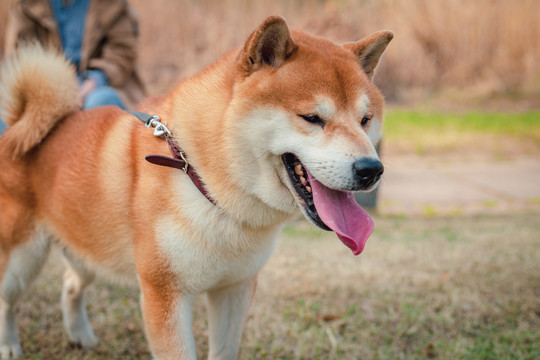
(99, 37)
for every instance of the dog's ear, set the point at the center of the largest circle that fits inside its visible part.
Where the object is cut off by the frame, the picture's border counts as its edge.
(270, 45)
(370, 49)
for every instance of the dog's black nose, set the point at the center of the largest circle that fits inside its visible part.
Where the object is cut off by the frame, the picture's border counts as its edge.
(367, 172)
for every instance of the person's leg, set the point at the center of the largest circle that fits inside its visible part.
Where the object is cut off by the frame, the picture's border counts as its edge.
(103, 96)
(2, 126)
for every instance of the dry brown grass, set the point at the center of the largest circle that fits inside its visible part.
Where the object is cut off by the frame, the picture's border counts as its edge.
(444, 288)
(484, 47)
(461, 47)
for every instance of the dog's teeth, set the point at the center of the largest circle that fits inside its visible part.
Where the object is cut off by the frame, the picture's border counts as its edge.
(303, 180)
(308, 188)
(298, 170)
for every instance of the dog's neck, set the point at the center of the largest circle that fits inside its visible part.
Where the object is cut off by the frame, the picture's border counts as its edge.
(200, 122)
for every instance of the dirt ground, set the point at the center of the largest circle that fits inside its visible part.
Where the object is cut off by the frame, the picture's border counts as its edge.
(443, 186)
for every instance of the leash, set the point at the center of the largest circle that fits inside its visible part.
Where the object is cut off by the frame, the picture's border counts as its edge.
(179, 160)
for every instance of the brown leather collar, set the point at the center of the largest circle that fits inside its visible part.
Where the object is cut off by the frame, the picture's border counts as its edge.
(179, 160)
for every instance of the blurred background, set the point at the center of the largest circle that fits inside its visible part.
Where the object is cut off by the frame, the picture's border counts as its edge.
(452, 270)
(460, 50)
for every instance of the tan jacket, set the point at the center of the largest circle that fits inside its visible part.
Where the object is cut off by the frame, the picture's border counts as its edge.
(109, 43)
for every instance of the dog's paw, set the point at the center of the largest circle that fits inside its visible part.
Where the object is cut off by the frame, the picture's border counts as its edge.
(83, 338)
(10, 351)
(78, 329)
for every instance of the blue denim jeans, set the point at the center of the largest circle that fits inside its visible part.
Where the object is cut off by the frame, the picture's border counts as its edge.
(103, 96)
(2, 126)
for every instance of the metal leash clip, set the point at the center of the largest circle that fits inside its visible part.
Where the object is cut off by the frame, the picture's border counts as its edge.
(159, 127)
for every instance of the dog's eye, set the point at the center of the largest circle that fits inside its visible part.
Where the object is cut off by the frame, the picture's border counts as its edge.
(314, 119)
(365, 120)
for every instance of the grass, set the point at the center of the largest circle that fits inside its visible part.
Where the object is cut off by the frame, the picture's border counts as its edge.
(524, 124)
(499, 133)
(441, 288)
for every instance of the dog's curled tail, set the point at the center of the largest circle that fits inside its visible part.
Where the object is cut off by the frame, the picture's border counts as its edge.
(38, 87)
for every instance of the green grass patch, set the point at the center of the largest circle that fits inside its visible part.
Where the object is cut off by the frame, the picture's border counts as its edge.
(430, 210)
(491, 204)
(401, 124)
(505, 344)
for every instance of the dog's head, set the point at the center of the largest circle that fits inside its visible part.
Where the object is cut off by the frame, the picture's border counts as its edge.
(307, 116)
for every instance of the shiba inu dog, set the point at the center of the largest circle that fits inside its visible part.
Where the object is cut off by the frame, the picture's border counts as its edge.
(284, 123)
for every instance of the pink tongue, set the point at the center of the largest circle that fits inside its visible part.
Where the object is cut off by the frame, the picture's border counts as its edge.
(341, 213)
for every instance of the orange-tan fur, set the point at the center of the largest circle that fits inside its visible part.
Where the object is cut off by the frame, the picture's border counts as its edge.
(80, 180)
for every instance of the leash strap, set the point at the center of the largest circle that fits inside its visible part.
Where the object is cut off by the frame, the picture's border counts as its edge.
(145, 118)
(179, 160)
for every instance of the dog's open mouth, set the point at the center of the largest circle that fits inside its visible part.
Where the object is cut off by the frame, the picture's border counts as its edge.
(330, 209)
(299, 179)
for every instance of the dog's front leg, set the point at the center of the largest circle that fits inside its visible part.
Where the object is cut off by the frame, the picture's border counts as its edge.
(227, 311)
(168, 321)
